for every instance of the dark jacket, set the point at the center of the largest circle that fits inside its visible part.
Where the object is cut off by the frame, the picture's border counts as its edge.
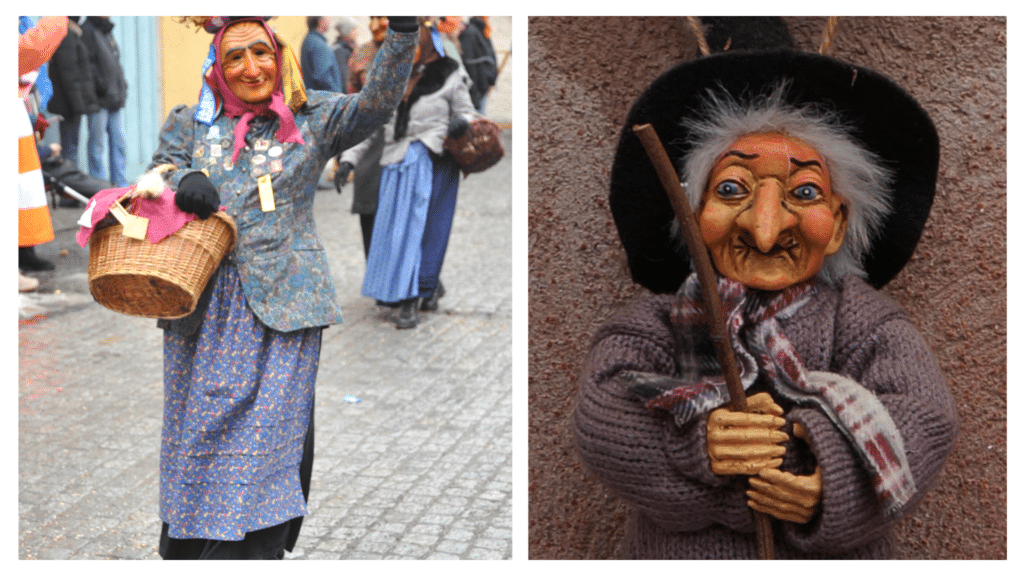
(111, 85)
(74, 90)
(479, 60)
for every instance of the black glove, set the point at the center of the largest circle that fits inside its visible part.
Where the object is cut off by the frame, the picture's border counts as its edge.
(197, 195)
(341, 175)
(403, 23)
(458, 126)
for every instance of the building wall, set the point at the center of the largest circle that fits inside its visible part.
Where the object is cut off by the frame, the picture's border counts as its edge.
(585, 73)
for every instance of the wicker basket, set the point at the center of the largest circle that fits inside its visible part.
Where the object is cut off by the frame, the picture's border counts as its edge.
(162, 280)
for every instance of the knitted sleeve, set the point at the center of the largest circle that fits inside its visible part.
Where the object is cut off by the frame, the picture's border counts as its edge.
(642, 455)
(875, 345)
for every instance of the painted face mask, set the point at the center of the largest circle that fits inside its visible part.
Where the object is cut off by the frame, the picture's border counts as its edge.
(769, 216)
(249, 62)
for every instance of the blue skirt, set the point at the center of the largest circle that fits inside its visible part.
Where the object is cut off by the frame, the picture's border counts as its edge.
(237, 401)
(393, 265)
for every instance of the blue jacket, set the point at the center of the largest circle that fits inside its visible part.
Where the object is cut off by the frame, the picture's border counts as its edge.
(279, 256)
(319, 66)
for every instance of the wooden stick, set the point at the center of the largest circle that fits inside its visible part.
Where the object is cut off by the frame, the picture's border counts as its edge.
(709, 287)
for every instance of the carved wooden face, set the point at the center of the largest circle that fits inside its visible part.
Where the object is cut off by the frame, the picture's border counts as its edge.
(249, 62)
(768, 215)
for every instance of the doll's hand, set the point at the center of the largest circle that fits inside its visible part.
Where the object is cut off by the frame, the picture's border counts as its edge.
(786, 496)
(746, 442)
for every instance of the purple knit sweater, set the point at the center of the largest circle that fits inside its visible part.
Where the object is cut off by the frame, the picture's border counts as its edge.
(683, 510)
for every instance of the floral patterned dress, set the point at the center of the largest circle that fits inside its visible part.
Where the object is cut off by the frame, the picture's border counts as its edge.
(239, 373)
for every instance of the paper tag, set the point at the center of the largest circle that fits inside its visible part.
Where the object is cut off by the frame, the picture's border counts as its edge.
(266, 193)
(132, 226)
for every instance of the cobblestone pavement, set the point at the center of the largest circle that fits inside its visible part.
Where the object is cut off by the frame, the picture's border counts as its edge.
(420, 467)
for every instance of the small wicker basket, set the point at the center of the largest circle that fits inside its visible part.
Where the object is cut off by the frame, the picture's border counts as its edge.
(162, 280)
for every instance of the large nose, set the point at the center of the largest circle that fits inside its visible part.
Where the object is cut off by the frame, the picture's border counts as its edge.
(251, 69)
(766, 218)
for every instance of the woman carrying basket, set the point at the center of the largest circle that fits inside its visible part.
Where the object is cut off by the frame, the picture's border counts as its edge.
(239, 372)
(418, 185)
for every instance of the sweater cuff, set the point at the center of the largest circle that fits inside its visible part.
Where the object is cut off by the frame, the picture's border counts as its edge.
(849, 507)
(687, 448)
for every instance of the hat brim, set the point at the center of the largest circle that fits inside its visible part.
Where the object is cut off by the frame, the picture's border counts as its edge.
(884, 118)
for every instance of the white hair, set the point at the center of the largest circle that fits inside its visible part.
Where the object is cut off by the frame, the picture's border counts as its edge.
(858, 175)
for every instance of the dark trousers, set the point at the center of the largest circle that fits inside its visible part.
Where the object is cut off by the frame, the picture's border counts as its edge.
(263, 544)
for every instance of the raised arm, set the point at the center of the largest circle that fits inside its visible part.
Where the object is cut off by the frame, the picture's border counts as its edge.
(358, 115)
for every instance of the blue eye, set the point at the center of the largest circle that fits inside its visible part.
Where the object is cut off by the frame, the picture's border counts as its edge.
(729, 189)
(807, 192)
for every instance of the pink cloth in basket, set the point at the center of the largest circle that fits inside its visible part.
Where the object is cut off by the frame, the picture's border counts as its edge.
(165, 218)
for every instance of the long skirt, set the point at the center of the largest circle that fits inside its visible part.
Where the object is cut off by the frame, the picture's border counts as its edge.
(412, 227)
(393, 266)
(263, 544)
(238, 398)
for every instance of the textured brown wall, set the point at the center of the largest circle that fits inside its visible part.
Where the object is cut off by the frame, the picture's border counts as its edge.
(584, 75)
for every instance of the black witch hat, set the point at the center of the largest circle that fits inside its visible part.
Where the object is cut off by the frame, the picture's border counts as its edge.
(884, 119)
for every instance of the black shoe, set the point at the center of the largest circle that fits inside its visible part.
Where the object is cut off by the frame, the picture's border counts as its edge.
(430, 304)
(29, 261)
(407, 315)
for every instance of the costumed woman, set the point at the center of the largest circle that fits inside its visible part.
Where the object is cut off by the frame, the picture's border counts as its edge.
(810, 180)
(239, 372)
(419, 183)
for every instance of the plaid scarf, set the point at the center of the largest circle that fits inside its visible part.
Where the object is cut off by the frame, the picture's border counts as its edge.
(763, 350)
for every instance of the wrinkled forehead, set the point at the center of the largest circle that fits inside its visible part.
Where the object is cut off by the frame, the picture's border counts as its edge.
(774, 143)
(244, 34)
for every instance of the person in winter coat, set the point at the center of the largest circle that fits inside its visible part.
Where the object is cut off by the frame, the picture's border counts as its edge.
(419, 184)
(239, 372)
(319, 66)
(808, 195)
(106, 124)
(479, 60)
(74, 87)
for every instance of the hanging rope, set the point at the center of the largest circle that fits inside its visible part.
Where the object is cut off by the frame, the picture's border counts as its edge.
(827, 35)
(698, 32)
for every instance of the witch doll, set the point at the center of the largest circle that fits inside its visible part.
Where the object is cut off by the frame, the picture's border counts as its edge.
(810, 180)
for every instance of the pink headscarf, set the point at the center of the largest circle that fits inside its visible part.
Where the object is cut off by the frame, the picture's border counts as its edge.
(235, 107)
